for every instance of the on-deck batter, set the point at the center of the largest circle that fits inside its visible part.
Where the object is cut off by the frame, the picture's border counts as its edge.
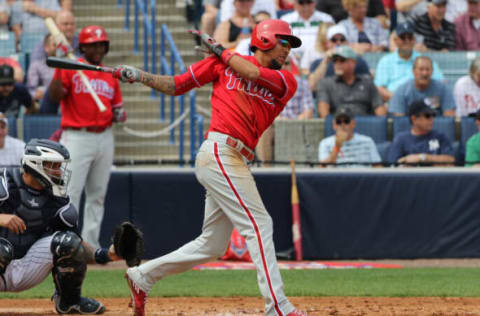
(248, 93)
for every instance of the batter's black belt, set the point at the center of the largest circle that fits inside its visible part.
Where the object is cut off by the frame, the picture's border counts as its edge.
(90, 129)
(236, 144)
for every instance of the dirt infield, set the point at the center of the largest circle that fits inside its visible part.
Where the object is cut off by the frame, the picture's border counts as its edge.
(327, 306)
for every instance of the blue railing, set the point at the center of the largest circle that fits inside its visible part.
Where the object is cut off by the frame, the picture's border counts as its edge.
(166, 68)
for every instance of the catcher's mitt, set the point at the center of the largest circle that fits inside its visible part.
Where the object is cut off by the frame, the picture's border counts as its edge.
(128, 243)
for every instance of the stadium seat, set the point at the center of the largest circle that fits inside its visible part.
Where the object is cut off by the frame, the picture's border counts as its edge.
(373, 126)
(372, 59)
(7, 43)
(12, 126)
(383, 150)
(456, 63)
(39, 126)
(442, 124)
(468, 128)
(29, 41)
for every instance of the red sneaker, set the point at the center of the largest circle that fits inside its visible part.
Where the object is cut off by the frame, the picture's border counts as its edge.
(139, 297)
(297, 313)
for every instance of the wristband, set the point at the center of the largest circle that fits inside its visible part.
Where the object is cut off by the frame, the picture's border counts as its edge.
(101, 256)
(227, 54)
(336, 149)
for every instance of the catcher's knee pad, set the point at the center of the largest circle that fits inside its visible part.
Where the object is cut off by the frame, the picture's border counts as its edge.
(6, 254)
(69, 265)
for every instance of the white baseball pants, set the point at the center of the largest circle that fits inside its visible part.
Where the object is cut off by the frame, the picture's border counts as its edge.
(232, 200)
(24, 273)
(92, 159)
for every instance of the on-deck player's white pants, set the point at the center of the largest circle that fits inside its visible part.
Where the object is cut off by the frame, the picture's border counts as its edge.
(92, 158)
(232, 199)
(24, 273)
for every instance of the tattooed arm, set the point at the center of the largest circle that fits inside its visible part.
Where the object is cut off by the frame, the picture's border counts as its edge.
(164, 84)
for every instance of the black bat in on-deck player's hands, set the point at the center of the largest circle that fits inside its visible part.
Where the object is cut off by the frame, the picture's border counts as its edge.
(65, 63)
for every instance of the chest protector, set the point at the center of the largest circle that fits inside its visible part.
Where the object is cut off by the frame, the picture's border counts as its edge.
(42, 212)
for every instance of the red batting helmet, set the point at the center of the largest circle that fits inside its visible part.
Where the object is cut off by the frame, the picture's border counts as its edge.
(265, 34)
(93, 34)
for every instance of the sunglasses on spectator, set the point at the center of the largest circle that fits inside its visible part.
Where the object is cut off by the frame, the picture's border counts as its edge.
(338, 59)
(428, 115)
(302, 2)
(340, 121)
(338, 39)
(6, 84)
(284, 42)
(406, 36)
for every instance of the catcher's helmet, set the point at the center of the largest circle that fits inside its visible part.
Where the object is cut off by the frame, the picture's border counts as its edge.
(264, 36)
(47, 161)
(93, 34)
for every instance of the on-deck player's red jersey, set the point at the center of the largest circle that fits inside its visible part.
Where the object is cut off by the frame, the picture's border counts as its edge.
(78, 107)
(240, 108)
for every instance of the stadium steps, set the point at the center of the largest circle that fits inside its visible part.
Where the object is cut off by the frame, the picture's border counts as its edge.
(143, 110)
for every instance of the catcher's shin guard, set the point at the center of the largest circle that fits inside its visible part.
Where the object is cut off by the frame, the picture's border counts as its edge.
(68, 272)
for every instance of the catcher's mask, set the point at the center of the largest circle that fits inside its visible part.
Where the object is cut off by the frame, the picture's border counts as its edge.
(47, 161)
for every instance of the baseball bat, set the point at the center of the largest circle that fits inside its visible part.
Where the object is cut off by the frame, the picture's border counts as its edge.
(296, 222)
(65, 63)
(60, 38)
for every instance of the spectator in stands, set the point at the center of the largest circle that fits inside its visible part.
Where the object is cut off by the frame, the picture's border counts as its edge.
(422, 144)
(395, 68)
(39, 74)
(335, 9)
(467, 91)
(227, 8)
(66, 4)
(365, 34)
(305, 21)
(472, 158)
(323, 67)
(29, 15)
(66, 24)
(4, 15)
(468, 27)
(209, 17)
(439, 97)
(347, 90)
(410, 9)
(13, 96)
(299, 107)
(316, 50)
(11, 149)
(432, 28)
(18, 74)
(239, 26)
(243, 47)
(347, 147)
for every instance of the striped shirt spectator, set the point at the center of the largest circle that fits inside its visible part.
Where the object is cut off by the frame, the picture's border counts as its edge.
(436, 32)
(372, 28)
(300, 103)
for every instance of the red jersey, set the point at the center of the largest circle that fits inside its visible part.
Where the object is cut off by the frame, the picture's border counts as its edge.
(78, 106)
(241, 108)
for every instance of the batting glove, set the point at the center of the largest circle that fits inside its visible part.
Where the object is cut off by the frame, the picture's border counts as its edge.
(62, 50)
(214, 47)
(119, 114)
(127, 73)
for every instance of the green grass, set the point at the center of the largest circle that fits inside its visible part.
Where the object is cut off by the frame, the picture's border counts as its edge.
(456, 282)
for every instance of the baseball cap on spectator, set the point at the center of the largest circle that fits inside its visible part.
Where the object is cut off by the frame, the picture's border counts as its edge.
(6, 74)
(420, 107)
(404, 28)
(344, 112)
(345, 52)
(335, 30)
(436, 2)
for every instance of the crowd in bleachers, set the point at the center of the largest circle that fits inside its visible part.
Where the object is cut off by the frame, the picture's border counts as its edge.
(373, 58)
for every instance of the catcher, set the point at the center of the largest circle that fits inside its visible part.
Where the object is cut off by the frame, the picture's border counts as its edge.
(39, 234)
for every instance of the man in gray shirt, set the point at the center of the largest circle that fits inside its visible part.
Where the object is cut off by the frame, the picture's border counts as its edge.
(347, 90)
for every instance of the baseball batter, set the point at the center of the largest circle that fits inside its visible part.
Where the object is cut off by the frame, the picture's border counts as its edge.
(248, 93)
(38, 230)
(87, 132)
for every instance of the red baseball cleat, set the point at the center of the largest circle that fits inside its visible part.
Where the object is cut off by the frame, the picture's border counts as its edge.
(139, 297)
(297, 313)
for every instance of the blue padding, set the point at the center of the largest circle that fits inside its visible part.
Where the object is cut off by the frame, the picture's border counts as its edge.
(117, 205)
(169, 208)
(373, 126)
(39, 126)
(12, 126)
(468, 129)
(7, 43)
(383, 150)
(443, 124)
